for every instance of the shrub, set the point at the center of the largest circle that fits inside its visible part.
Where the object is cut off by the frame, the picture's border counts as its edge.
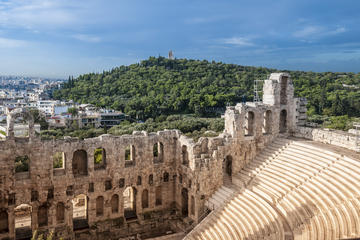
(22, 164)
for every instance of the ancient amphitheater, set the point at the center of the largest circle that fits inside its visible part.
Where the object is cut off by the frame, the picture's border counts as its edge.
(267, 176)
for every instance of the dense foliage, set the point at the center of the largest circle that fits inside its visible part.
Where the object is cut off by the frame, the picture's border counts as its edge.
(161, 86)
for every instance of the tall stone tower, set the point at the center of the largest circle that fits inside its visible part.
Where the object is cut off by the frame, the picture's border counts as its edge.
(278, 91)
(277, 113)
(171, 55)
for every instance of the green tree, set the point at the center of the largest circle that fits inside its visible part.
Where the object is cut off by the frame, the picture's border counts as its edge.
(73, 111)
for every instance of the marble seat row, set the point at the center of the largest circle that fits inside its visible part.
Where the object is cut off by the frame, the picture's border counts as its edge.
(293, 189)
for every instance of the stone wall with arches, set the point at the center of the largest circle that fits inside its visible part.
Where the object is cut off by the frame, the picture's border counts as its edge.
(50, 188)
(130, 184)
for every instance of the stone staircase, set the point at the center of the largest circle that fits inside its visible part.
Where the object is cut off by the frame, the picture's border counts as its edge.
(293, 189)
(220, 197)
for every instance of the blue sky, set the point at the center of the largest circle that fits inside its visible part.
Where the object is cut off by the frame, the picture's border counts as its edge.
(58, 38)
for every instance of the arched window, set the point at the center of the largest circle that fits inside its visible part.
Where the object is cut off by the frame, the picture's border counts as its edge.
(184, 155)
(158, 196)
(158, 152)
(166, 176)
(80, 211)
(42, 216)
(100, 206)
(130, 156)
(79, 163)
(59, 160)
(138, 182)
(283, 121)
(249, 123)
(25, 121)
(115, 203)
(22, 215)
(267, 122)
(99, 158)
(4, 222)
(34, 195)
(145, 199)
(151, 179)
(129, 200)
(60, 212)
(22, 164)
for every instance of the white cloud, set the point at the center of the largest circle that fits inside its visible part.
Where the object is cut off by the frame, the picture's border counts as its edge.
(87, 38)
(238, 41)
(11, 43)
(37, 13)
(317, 31)
(338, 30)
(307, 31)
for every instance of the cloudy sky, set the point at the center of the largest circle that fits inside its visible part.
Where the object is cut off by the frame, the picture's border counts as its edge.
(58, 38)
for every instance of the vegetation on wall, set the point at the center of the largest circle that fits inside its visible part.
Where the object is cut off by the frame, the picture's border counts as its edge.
(58, 160)
(98, 156)
(22, 164)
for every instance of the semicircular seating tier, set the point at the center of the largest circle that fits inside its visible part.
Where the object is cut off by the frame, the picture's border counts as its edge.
(293, 189)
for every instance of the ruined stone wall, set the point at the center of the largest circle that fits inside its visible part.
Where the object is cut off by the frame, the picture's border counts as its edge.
(55, 186)
(333, 137)
(186, 173)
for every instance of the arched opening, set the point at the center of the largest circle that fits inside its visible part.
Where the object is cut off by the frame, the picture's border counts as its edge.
(129, 199)
(99, 158)
(249, 123)
(228, 166)
(34, 195)
(145, 199)
(184, 155)
(283, 88)
(151, 179)
(99, 206)
(60, 212)
(227, 170)
(166, 176)
(184, 202)
(158, 196)
(267, 126)
(283, 121)
(115, 203)
(122, 182)
(59, 160)
(43, 216)
(139, 181)
(130, 156)
(158, 152)
(20, 124)
(22, 164)
(23, 221)
(80, 212)
(192, 205)
(4, 222)
(79, 163)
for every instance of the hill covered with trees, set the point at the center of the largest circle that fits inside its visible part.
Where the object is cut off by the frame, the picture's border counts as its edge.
(159, 86)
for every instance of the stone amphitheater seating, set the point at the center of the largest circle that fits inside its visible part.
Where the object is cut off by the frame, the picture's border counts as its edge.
(293, 189)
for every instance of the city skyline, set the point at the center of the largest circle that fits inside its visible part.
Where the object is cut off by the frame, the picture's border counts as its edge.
(61, 38)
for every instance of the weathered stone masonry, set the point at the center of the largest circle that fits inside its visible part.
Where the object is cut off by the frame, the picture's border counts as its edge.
(170, 175)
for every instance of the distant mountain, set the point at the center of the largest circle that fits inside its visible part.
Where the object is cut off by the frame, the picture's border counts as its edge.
(162, 86)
